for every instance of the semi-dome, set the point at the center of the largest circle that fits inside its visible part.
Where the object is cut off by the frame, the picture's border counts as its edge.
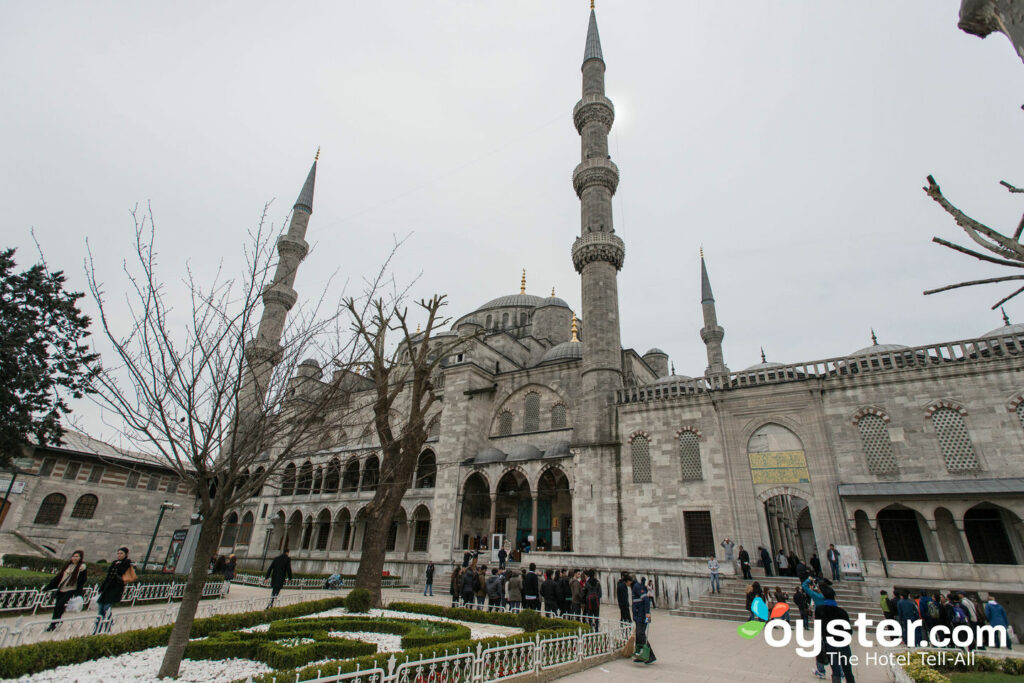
(668, 379)
(655, 351)
(878, 348)
(523, 451)
(514, 301)
(1005, 331)
(559, 450)
(763, 365)
(489, 454)
(569, 350)
(553, 301)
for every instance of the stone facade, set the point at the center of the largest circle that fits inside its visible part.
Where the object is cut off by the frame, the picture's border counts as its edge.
(911, 456)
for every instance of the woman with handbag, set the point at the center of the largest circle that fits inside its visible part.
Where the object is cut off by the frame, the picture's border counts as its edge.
(69, 582)
(112, 588)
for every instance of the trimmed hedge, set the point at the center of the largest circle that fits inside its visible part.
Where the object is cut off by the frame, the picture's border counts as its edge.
(263, 647)
(920, 672)
(93, 577)
(527, 623)
(358, 600)
(30, 659)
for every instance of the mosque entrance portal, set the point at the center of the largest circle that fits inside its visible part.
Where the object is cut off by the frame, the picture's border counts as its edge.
(789, 526)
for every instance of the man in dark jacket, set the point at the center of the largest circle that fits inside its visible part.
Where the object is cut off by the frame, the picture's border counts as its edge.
(564, 592)
(833, 561)
(642, 619)
(906, 612)
(744, 558)
(111, 590)
(766, 560)
(549, 591)
(531, 589)
(470, 584)
(429, 575)
(622, 595)
(839, 658)
(280, 570)
(816, 565)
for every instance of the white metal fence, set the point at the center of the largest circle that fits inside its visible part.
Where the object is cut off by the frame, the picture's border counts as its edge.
(348, 582)
(75, 624)
(495, 663)
(34, 599)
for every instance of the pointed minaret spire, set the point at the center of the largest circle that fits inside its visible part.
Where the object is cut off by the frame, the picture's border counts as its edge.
(593, 47)
(763, 359)
(305, 200)
(1006, 318)
(712, 334)
(874, 339)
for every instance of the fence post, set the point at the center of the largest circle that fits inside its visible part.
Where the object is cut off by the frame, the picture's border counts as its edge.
(579, 644)
(538, 653)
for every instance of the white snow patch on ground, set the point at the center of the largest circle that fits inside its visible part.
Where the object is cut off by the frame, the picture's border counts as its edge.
(386, 642)
(477, 631)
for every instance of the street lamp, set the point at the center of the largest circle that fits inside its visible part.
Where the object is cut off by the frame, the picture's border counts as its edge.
(266, 543)
(164, 507)
(23, 463)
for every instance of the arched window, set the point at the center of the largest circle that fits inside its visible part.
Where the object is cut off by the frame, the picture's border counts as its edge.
(523, 319)
(318, 480)
(531, 413)
(505, 423)
(392, 537)
(874, 435)
(245, 529)
(307, 533)
(305, 483)
(689, 456)
(230, 533)
(488, 322)
(954, 441)
(288, 480)
(640, 450)
(371, 474)
(333, 477)
(51, 509)
(504, 320)
(434, 430)
(258, 476)
(85, 507)
(426, 471)
(350, 481)
(558, 416)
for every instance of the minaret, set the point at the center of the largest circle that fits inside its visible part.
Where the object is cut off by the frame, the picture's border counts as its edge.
(279, 297)
(712, 334)
(598, 253)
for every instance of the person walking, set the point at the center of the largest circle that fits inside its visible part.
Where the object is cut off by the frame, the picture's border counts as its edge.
(713, 569)
(833, 561)
(744, 558)
(515, 590)
(803, 603)
(766, 560)
(531, 589)
(753, 592)
(455, 584)
(228, 570)
(279, 571)
(623, 597)
(502, 556)
(837, 657)
(428, 575)
(493, 589)
(642, 619)
(112, 589)
(68, 582)
(996, 616)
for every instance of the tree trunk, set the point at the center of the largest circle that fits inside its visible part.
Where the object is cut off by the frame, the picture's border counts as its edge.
(380, 513)
(209, 536)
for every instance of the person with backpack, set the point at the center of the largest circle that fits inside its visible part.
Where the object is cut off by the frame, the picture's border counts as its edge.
(531, 589)
(549, 591)
(592, 597)
(493, 590)
(470, 581)
(976, 617)
(642, 619)
(837, 657)
(931, 614)
(803, 603)
(907, 614)
(959, 616)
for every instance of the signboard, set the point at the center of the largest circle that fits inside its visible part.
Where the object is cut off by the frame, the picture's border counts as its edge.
(849, 562)
(779, 467)
(19, 486)
(174, 550)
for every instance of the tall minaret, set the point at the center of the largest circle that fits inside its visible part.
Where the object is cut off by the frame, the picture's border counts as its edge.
(598, 253)
(712, 334)
(279, 297)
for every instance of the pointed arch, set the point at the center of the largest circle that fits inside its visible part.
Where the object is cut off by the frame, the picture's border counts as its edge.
(371, 474)
(426, 470)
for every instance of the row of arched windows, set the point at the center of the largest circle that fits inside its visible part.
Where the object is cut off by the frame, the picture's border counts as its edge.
(690, 468)
(955, 443)
(531, 416)
(52, 508)
(304, 480)
(503, 322)
(237, 532)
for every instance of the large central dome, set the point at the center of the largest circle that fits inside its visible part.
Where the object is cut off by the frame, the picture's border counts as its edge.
(514, 300)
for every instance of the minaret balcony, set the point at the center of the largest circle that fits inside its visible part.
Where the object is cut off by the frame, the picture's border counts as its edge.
(598, 246)
(602, 172)
(593, 108)
(280, 294)
(288, 245)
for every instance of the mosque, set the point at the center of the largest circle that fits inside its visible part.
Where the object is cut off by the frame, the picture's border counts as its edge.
(547, 431)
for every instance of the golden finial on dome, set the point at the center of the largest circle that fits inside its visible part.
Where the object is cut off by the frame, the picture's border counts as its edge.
(417, 328)
(702, 251)
(591, 4)
(522, 283)
(575, 331)
(552, 291)
(317, 157)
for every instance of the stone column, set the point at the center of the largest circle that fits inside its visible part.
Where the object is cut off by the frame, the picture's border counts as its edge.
(411, 524)
(963, 540)
(933, 527)
(533, 523)
(494, 515)
(351, 536)
(330, 536)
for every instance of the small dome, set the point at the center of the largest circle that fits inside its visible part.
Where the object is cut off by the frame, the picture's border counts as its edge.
(513, 301)
(489, 454)
(559, 450)
(878, 348)
(1005, 331)
(655, 351)
(565, 351)
(309, 363)
(668, 379)
(553, 301)
(523, 451)
(764, 365)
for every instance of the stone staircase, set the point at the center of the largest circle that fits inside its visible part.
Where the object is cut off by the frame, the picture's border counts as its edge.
(730, 604)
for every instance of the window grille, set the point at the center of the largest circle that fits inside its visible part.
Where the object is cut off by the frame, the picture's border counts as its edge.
(558, 416)
(955, 442)
(96, 474)
(288, 480)
(1020, 413)
(85, 507)
(689, 456)
(421, 536)
(51, 509)
(245, 530)
(531, 414)
(505, 424)
(46, 469)
(641, 454)
(434, 431)
(699, 539)
(874, 435)
(71, 471)
(172, 485)
(154, 483)
(133, 480)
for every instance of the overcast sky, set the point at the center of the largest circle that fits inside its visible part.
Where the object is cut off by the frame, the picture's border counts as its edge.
(790, 139)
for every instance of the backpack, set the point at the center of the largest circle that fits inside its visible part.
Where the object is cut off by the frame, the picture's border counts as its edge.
(592, 601)
(932, 610)
(476, 583)
(959, 615)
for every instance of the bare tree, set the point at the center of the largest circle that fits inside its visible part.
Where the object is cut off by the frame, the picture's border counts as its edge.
(1007, 251)
(216, 390)
(983, 17)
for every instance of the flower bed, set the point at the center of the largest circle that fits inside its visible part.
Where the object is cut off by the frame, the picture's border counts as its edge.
(920, 671)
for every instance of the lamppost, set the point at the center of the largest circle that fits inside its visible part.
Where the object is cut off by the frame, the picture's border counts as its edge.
(23, 463)
(266, 543)
(164, 507)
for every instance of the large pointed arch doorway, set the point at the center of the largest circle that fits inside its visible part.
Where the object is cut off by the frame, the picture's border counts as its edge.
(790, 528)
